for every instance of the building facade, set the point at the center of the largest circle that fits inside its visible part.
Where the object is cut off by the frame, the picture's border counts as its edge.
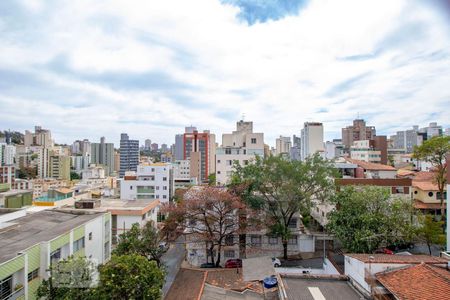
(129, 154)
(240, 146)
(357, 132)
(150, 181)
(311, 139)
(283, 145)
(200, 148)
(103, 154)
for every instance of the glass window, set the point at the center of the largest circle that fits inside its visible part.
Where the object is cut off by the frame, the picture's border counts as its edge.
(227, 151)
(164, 178)
(253, 140)
(229, 253)
(256, 240)
(106, 250)
(292, 240)
(273, 240)
(55, 256)
(5, 287)
(90, 236)
(292, 223)
(33, 274)
(229, 240)
(78, 244)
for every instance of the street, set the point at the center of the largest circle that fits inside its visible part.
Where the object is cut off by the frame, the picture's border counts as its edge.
(172, 260)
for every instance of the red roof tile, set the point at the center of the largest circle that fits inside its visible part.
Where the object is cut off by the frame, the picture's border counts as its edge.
(417, 282)
(397, 259)
(371, 166)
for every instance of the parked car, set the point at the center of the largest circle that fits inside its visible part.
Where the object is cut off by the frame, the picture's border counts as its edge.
(233, 263)
(208, 265)
(276, 262)
(401, 247)
(384, 251)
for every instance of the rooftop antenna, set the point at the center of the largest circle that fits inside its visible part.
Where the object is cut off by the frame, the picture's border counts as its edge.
(243, 117)
(358, 115)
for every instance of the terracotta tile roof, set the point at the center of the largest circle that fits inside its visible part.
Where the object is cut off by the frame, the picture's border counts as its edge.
(371, 166)
(405, 172)
(422, 205)
(417, 282)
(397, 259)
(425, 181)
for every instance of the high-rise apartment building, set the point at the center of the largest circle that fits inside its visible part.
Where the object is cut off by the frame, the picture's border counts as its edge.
(357, 132)
(7, 154)
(311, 139)
(129, 154)
(103, 154)
(148, 145)
(40, 137)
(364, 150)
(59, 167)
(240, 146)
(203, 143)
(407, 139)
(178, 149)
(283, 145)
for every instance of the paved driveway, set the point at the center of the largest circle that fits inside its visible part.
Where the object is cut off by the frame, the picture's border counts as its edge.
(172, 261)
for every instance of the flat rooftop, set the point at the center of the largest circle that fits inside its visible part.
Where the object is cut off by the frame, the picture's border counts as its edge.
(38, 227)
(312, 289)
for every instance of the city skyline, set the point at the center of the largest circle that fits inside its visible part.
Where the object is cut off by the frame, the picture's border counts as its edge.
(88, 70)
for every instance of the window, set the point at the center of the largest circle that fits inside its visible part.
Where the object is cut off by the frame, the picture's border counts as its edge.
(253, 140)
(165, 188)
(245, 162)
(229, 240)
(256, 240)
(78, 244)
(55, 255)
(292, 240)
(106, 250)
(229, 162)
(273, 240)
(227, 151)
(143, 217)
(90, 236)
(218, 172)
(164, 196)
(5, 287)
(292, 223)
(229, 253)
(430, 194)
(245, 151)
(218, 161)
(157, 187)
(33, 274)
(164, 178)
(131, 187)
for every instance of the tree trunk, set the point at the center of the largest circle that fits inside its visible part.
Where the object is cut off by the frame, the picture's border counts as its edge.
(429, 247)
(285, 250)
(242, 236)
(218, 256)
(443, 215)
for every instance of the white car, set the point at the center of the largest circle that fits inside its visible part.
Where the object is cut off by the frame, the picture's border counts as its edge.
(276, 262)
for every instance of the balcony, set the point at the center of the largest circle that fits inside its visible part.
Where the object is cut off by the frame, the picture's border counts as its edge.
(17, 294)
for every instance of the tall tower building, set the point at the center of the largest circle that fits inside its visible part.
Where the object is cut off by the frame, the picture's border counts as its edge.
(357, 132)
(129, 154)
(283, 145)
(178, 148)
(103, 154)
(311, 139)
(200, 147)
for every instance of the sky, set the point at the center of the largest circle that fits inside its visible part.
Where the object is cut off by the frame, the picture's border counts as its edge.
(86, 69)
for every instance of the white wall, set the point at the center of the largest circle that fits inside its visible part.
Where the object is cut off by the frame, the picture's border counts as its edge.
(94, 247)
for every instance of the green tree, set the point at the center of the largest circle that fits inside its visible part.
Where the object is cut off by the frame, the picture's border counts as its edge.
(281, 188)
(430, 231)
(130, 277)
(74, 176)
(69, 279)
(143, 241)
(434, 151)
(212, 179)
(367, 217)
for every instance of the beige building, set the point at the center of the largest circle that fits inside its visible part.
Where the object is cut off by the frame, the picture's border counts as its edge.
(59, 167)
(283, 145)
(241, 146)
(312, 139)
(363, 150)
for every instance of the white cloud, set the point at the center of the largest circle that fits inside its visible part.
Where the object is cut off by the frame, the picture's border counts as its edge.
(279, 73)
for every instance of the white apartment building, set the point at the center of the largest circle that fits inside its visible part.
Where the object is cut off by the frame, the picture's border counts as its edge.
(31, 242)
(151, 181)
(7, 154)
(241, 146)
(283, 145)
(362, 150)
(311, 139)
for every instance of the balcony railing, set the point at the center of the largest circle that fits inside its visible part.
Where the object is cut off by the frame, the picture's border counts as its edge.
(16, 294)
